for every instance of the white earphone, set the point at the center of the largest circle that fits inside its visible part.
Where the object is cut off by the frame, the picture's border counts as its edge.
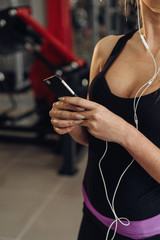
(135, 107)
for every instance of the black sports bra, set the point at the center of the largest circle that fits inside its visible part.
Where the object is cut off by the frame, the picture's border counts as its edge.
(138, 196)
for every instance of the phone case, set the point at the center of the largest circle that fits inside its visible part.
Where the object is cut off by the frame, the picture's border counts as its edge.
(59, 87)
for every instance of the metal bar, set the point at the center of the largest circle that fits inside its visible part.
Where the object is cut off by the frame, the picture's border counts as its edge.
(112, 10)
(108, 17)
(95, 26)
(69, 155)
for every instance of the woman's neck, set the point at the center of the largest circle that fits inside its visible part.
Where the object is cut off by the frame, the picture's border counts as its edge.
(151, 27)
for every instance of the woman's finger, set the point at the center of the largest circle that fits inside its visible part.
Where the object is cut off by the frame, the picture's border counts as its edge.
(67, 115)
(65, 123)
(62, 131)
(79, 102)
(66, 106)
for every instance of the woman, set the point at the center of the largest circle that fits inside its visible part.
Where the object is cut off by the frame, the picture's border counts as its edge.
(121, 185)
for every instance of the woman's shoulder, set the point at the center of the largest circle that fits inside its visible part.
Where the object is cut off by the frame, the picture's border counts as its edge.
(108, 41)
(104, 48)
(101, 53)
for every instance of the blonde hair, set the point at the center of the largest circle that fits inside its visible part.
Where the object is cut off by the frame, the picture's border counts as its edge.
(124, 4)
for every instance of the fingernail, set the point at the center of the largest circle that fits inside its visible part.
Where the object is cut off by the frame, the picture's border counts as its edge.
(61, 98)
(78, 122)
(80, 109)
(78, 116)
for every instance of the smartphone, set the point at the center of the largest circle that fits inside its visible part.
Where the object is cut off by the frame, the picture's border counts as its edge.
(59, 87)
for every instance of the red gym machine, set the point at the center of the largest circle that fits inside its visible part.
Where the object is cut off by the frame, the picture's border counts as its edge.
(20, 31)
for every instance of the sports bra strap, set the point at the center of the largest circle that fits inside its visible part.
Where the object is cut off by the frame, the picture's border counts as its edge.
(117, 50)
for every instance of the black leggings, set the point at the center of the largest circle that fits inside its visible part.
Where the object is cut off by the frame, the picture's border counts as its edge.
(92, 229)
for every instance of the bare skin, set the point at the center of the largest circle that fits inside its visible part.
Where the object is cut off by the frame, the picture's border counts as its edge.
(153, 5)
(134, 67)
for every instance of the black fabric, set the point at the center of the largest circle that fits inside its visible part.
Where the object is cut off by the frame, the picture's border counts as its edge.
(138, 196)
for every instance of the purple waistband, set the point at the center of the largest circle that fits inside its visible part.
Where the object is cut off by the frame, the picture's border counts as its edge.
(136, 229)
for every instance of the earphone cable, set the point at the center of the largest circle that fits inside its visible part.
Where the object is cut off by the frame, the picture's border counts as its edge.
(135, 107)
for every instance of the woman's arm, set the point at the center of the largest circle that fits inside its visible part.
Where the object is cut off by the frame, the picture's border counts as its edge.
(142, 150)
(62, 119)
(107, 126)
(79, 134)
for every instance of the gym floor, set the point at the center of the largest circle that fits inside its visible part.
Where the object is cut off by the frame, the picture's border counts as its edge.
(37, 203)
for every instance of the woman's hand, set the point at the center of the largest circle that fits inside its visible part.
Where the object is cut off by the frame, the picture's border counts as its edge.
(65, 117)
(100, 122)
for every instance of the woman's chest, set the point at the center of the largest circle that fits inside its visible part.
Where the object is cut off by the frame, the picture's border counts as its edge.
(148, 108)
(128, 73)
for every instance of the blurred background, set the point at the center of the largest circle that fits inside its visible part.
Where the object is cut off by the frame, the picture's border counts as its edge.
(41, 172)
